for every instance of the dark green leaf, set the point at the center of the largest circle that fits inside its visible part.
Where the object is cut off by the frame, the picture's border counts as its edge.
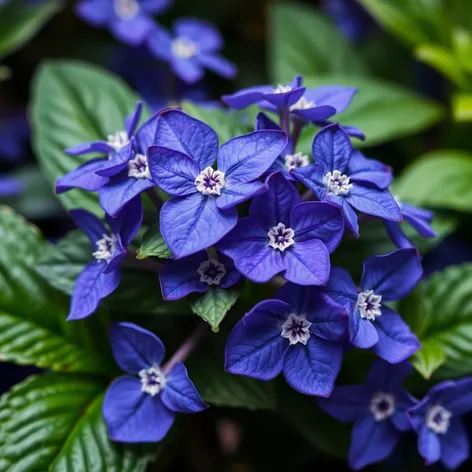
(153, 245)
(429, 358)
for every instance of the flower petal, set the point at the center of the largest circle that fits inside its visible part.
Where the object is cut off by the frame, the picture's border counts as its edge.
(429, 445)
(232, 195)
(201, 32)
(285, 99)
(362, 332)
(246, 97)
(134, 30)
(89, 224)
(146, 132)
(83, 177)
(232, 276)
(159, 42)
(341, 288)
(86, 148)
(96, 12)
(132, 121)
(397, 235)
(128, 221)
(455, 445)
(334, 96)
(314, 114)
(332, 148)
(218, 64)
(189, 70)
(263, 122)
(362, 169)
(387, 377)
(118, 160)
(458, 398)
(347, 402)
(312, 176)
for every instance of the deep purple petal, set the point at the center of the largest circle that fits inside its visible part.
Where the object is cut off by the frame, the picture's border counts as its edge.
(335, 96)
(340, 287)
(146, 132)
(362, 332)
(89, 224)
(154, 6)
(285, 99)
(350, 216)
(429, 445)
(83, 177)
(10, 186)
(392, 275)
(118, 160)
(458, 398)
(201, 32)
(132, 121)
(387, 377)
(263, 122)
(132, 31)
(346, 403)
(362, 169)
(400, 418)
(87, 148)
(128, 221)
(397, 235)
(159, 42)
(332, 148)
(246, 97)
(317, 113)
(96, 12)
(421, 223)
(232, 274)
(234, 194)
(189, 70)
(218, 64)
(454, 444)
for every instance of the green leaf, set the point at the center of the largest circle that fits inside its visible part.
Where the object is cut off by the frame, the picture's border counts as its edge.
(213, 305)
(429, 358)
(33, 329)
(408, 113)
(20, 21)
(303, 42)
(439, 179)
(5, 72)
(153, 245)
(462, 107)
(75, 103)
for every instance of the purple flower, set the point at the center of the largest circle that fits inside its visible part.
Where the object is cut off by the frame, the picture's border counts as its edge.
(299, 333)
(196, 273)
(14, 136)
(346, 179)
(191, 48)
(284, 235)
(129, 20)
(202, 209)
(442, 435)
(419, 218)
(317, 104)
(372, 324)
(141, 407)
(102, 276)
(10, 186)
(378, 409)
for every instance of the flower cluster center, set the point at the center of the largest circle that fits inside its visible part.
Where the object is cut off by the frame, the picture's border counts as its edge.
(211, 272)
(282, 88)
(281, 237)
(369, 304)
(118, 140)
(303, 104)
(382, 405)
(438, 419)
(337, 183)
(138, 167)
(296, 329)
(295, 161)
(126, 9)
(184, 48)
(152, 380)
(106, 247)
(210, 181)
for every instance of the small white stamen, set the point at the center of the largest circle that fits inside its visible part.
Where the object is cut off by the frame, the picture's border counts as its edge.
(382, 405)
(369, 304)
(210, 181)
(106, 247)
(184, 48)
(337, 183)
(296, 329)
(282, 89)
(397, 200)
(303, 104)
(138, 167)
(118, 140)
(438, 419)
(281, 237)
(295, 161)
(152, 380)
(126, 9)
(211, 272)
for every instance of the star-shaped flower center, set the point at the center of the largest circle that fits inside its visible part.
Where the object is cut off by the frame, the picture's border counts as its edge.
(138, 167)
(210, 181)
(303, 104)
(337, 183)
(126, 9)
(106, 247)
(118, 140)
(382, 405)
(152, 380)
(438, 419)
(296, 329)
(184, 48)
(281, 237)
(295, 161)
(282, 89)
(211, 272)
(369, 304)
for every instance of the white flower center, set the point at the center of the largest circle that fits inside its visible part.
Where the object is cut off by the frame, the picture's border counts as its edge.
(369, 304)
(282, 89)
(138, 167)
(397, 200)
(438, 419)
(281, 237)
(184, 48)
(126, 9)
(211, 272)
(118, 140)
(295, 161)
(210, 181)
(382, 405)
(296, 329)
(303, 104)
(106, 247)
(337, 183)
(152, 380)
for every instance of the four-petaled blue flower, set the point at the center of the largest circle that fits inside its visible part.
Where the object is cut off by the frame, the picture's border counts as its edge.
(196, 273)
(102, 276)
(372, 324)
(378, 409)
(330, 179)
(141, 407)
(442, 435)
(192, 48)
(284, 235)
(299, 333)
(202, 209)
(129, 20)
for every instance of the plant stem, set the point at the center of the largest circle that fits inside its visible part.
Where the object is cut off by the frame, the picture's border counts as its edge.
(297, 129)
(308, 195)
(154, 198)
(284, 116)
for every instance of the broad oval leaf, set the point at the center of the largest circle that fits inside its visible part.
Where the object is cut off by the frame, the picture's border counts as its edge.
(429, 358)
(153, 245)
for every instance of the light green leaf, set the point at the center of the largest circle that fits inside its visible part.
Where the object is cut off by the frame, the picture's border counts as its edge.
(429, 358)
(303, 42)
(153, 245)
(439, 179)
(75, 103)
(20, 21)
(462, 107)
(5, 72)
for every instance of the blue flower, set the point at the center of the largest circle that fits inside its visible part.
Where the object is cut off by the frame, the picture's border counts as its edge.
(284, 235)
(10, 186)
(330, 179)
(442, 435)
(102, 276)
(196, 273)
(379, 410)
(202, 209)
(14, 136)
(141, 407)
(129, 20)
(372, 324)
(191, 48)
(299, 332)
